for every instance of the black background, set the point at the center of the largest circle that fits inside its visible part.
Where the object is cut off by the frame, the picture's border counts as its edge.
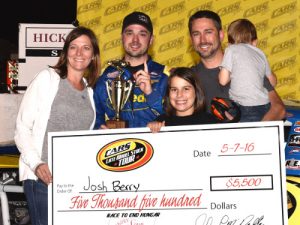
(13, 12)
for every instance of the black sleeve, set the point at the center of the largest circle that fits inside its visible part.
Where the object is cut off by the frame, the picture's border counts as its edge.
(161, 118)
(267, 84)
(212, 119)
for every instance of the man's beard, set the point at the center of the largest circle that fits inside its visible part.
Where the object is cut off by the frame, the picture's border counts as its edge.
(136, 54)
(211, 53)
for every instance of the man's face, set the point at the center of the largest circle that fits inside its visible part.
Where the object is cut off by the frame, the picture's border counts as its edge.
(136, 40)
(206, 39)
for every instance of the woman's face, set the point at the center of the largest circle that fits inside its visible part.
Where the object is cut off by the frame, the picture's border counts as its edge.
(182, 96)
(80, 53)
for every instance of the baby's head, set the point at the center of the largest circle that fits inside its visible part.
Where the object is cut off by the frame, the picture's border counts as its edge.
(242, 31)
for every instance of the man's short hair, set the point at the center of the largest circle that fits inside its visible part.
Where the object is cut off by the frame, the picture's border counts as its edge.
(206, 14)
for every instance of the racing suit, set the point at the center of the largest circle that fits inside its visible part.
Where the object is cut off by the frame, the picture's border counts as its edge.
(140, 108)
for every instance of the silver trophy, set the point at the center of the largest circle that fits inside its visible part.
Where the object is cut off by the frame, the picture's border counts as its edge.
(118, 91)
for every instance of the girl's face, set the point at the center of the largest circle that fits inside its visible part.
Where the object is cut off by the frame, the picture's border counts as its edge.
(182, 96)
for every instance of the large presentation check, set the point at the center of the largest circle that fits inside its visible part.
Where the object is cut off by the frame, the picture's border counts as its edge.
(231, 174)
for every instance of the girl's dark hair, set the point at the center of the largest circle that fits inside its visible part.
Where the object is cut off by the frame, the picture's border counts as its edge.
(93, 69)
(191, 77)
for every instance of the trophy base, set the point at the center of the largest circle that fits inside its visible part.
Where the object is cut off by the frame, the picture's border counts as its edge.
(114, 124)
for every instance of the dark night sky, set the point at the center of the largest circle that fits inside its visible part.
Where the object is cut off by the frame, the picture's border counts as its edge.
(32, 11)
(13, 12)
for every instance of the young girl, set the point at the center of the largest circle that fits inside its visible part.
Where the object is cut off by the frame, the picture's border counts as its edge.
(184, 102)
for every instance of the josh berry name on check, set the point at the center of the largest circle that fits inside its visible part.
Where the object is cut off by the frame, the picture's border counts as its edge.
(117, 186)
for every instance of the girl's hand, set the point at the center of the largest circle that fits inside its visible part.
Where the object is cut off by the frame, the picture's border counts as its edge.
(155, 126)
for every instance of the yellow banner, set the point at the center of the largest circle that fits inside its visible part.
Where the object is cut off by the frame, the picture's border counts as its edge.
(276, 22)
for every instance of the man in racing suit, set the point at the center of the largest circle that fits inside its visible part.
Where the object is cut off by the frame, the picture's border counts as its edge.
(149, 78)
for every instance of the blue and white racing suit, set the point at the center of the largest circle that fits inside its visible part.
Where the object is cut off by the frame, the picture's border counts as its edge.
(141, 108)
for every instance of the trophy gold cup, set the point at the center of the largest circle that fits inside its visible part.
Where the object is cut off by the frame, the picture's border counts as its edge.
(118, 91)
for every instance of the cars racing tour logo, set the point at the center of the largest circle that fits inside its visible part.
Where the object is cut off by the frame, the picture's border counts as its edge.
(124, 154)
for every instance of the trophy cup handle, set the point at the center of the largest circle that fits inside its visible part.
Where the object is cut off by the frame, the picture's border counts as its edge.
(127, 90)
(108, 90)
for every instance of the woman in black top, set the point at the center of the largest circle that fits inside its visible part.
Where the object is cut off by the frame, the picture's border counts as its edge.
(184, 102)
